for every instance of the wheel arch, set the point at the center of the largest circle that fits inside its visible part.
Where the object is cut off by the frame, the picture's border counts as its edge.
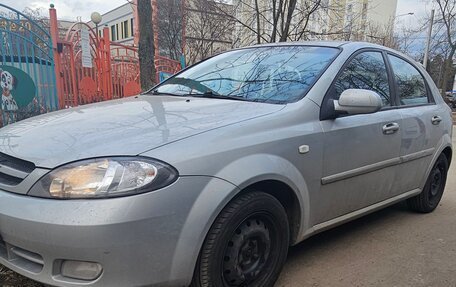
(277, 176)
(287, 197)
(448, 152)
(443, 147)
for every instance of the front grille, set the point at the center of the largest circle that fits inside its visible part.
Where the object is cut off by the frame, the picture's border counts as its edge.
(24, 259)
(14, 170)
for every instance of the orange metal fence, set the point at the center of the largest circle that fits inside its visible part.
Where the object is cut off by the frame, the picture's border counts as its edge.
(107, 71)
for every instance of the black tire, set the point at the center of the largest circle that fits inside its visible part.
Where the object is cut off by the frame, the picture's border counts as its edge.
(432, 193)
(246, 246)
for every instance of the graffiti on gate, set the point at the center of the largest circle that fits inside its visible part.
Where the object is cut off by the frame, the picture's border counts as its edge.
(27, 78)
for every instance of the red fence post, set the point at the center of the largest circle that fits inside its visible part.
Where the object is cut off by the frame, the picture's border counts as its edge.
(72, 72)
(58, 66)
(99, 63)
(107, 63)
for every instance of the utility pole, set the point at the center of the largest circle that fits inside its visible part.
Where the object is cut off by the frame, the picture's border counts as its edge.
(428, 42)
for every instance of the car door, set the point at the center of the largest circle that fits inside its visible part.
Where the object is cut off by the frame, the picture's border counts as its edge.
(421, 124)
(361, 152)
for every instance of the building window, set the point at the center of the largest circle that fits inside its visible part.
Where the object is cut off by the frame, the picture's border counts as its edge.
(125, 29)
(122, 30)
(113, 33)
(117, 32)
(132, 27)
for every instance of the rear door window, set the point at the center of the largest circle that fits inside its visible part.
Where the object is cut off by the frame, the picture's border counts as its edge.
(410, 84)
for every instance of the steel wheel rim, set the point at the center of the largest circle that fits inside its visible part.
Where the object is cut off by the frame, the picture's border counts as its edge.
(248, 252)
(436, 181)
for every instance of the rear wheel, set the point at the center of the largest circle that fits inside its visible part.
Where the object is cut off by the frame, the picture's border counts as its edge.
(432, 193)
(247, 244)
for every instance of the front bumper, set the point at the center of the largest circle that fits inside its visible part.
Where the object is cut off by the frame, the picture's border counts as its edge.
(151, 239)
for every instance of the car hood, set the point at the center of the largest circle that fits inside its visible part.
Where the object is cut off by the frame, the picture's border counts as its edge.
(121, 127)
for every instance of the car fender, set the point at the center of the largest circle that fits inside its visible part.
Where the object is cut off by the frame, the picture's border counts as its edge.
(255, 168)
(202, 214)
(224, 186)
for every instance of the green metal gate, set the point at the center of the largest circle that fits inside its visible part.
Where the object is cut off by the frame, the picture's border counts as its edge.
(27, 75)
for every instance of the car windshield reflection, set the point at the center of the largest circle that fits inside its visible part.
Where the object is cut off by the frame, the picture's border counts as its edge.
(264, 74)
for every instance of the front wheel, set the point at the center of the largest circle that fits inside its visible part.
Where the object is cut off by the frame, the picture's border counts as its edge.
(247, 244)
(430, 197)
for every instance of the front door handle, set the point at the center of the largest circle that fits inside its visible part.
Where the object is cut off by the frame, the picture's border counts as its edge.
(390, 128)
(436, 120)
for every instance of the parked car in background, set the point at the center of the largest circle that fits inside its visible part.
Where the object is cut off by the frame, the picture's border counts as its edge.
(207, 179)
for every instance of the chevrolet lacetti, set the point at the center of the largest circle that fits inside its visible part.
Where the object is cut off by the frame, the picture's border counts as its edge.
(209, 177)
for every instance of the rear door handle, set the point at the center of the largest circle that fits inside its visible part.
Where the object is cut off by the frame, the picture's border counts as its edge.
(390, 128)
(436, 120)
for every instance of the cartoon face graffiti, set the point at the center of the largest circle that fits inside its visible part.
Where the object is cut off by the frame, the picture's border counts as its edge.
(8, 82)
(9, 106)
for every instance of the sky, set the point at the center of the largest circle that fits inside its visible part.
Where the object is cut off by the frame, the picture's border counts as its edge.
(71, 9)
(420, 8)
(68, 9)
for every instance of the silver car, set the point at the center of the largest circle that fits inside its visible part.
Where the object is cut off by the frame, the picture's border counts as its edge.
(208, 178)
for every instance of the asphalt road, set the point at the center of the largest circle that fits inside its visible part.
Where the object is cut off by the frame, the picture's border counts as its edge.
(392, 247)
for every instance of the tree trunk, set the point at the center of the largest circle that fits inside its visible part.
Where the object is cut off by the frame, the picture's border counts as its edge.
(291, 9)
(146, 51)
(257, 11)
(274, 21)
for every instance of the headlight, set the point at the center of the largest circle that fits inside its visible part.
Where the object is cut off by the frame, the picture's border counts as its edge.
(105, 177)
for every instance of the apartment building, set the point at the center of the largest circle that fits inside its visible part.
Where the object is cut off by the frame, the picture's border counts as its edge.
(361, 20)
(120, 22)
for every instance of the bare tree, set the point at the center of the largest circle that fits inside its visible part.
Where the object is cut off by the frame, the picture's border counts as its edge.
(262, 21)
(208, 29)
(146, 50)
(170, 27)
(275, 20)
(381, 34)
(445, 22)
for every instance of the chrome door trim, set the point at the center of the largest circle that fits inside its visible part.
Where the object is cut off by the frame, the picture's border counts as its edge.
(376, 166)
(360, 170)
(417, 155)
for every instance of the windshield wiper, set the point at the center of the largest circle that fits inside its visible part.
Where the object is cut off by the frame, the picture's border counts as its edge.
(208, 94)
(212, 95)
(157, 93)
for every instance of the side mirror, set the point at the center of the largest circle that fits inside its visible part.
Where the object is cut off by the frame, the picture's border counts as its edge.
(358, 101)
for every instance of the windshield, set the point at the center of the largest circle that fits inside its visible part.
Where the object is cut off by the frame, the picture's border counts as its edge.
(264, 74)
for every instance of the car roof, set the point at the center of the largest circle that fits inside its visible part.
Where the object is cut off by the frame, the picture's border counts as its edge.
(333, 44)
(350, 46)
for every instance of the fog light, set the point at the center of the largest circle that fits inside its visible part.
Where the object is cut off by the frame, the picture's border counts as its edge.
(81, 270)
